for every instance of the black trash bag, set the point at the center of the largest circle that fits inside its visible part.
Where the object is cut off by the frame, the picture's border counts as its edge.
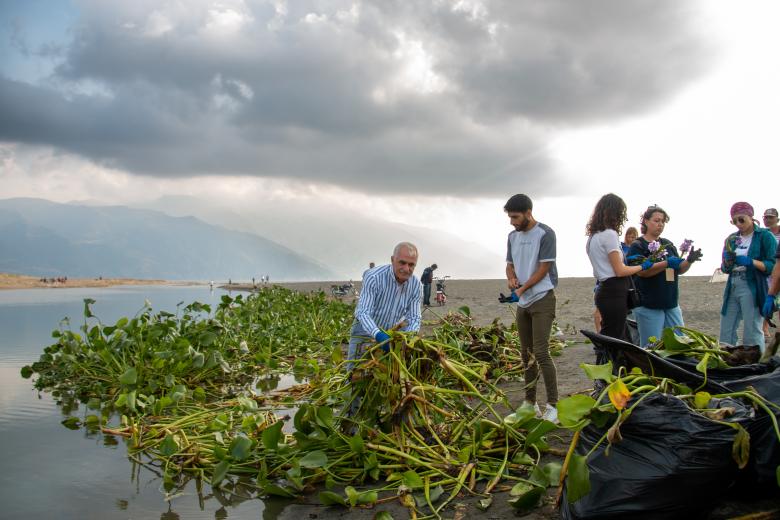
(624, 354)
(760, 475)
(671, 463)
(723, 375)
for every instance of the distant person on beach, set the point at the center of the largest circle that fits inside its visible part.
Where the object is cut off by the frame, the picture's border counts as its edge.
(371, 265)
(771, 222)
(609, 269)
(748, 258)
(628, 239)
(658, 286)
(427, 280)
(389, 299)
(532, 275)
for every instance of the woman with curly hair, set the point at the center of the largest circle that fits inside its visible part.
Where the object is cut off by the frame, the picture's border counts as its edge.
(606, 257)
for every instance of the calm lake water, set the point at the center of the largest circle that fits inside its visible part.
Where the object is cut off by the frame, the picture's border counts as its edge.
(49, 471)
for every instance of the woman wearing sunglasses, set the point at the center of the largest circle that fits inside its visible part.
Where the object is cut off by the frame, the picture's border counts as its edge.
(748, 258)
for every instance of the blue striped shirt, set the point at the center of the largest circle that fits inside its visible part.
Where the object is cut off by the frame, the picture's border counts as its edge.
(384, 302)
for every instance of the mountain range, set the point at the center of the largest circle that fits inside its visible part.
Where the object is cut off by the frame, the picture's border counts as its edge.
(186, 238)
(43, 238)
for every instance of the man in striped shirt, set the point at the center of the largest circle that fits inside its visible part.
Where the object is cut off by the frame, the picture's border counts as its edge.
(390, 295)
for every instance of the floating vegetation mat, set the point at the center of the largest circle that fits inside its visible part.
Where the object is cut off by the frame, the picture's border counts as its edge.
(421, 423)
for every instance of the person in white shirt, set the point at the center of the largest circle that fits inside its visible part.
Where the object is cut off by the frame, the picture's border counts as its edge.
(606, 257)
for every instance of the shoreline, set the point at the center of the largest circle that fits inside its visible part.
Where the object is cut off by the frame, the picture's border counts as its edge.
(10, 281)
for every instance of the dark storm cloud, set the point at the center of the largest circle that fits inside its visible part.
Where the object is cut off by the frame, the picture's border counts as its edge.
(316, 91)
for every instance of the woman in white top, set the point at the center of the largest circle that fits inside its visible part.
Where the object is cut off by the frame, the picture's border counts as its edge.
(606, 257)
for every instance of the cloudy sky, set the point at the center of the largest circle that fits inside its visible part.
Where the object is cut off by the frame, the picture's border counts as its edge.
(429, 113)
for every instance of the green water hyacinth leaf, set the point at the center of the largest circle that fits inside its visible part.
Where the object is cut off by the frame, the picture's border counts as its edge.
(240, 448)
(220, 472)
(702, 400)
(169, 446)
(484, 503)
(329, 498)
(272, 435)
(603, 372)
(536, 433)
(412, 480)
(521, 416)
(573, 411)
(704, 364)
(87, 310)
(279, 491)
(547, 475)
(314, 459)
(129, 377)
(524, 459)
(521, 488)
(383, 515)
(325, 416)
(207, 339)
(92, 420)
(72, 423)
(27, 371)
(528, 500)
(577, 478)
(740, 450)
(356, 444)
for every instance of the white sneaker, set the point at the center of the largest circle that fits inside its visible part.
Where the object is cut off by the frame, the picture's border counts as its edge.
(550, 413)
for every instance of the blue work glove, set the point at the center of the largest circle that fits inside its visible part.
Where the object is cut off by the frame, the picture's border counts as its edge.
(744, 260)
(647, 264)
(769, 307)
(382, 337)
(674, 262)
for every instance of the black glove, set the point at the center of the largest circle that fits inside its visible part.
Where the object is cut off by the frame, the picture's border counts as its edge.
(694, 256)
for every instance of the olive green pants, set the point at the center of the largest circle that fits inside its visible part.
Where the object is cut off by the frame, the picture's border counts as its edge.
(534, 324)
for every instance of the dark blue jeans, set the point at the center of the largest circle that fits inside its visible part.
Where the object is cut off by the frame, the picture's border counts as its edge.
(426, 294)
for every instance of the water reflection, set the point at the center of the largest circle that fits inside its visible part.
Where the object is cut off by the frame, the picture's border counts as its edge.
(78, 473)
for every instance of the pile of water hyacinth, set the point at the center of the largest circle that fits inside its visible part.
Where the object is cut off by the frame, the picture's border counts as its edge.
(185, 391)
(423, 424)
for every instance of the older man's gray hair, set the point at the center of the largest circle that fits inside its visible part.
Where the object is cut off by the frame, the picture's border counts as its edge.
(411, 248)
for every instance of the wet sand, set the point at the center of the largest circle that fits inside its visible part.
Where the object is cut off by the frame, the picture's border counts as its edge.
(20, 281)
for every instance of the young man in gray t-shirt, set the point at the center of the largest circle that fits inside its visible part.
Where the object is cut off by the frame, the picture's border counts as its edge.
(531, 274)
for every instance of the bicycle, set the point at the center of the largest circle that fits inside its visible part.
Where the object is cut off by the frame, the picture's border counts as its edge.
(441, 295)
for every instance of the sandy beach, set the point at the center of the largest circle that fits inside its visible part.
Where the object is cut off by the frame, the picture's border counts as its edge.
(21, 281)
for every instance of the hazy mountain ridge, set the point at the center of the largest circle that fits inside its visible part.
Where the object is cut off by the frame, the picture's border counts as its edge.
(342, 239)
(44, 238)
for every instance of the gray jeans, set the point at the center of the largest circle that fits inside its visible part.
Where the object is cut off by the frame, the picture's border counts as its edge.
(534, 324)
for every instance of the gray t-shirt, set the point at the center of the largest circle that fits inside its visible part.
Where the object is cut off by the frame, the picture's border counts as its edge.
(525, 250)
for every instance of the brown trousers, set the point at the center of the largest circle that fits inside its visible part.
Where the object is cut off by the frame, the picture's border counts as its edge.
(534, 324)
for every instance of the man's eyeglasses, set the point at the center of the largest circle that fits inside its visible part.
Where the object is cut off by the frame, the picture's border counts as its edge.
(769, 216)
(738, 220)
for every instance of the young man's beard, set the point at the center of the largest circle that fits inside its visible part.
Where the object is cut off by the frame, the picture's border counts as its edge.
(523, 226)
